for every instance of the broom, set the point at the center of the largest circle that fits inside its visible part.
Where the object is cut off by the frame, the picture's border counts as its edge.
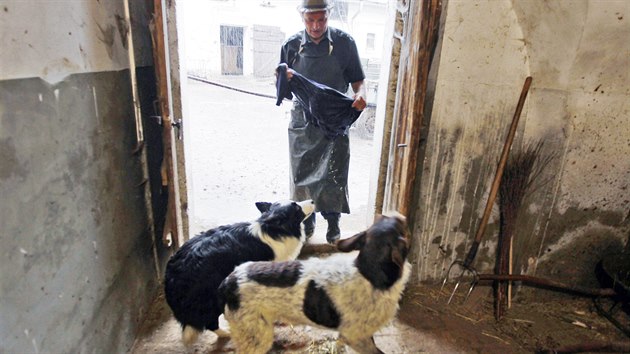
(522, 169)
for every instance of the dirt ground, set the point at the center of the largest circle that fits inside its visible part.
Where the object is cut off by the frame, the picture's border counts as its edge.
(237, 155)
(538, 320)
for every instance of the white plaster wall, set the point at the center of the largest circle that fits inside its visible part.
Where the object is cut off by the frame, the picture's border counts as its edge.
(578, 53)
(587, 82)
(203, 20)
(60, 38)
(369, 17)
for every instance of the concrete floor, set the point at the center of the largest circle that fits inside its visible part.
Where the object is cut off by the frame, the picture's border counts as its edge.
(538, 321)
(162, 335)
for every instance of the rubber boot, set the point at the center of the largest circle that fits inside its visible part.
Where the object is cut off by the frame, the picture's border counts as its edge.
(309, 226)
(333, 234)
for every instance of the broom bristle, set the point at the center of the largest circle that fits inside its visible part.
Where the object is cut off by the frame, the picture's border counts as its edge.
(521, 171)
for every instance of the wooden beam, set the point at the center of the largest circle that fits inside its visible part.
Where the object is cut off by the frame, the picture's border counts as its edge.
(419, 41)
(171, 234)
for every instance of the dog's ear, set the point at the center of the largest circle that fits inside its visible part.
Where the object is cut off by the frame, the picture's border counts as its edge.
(263, 206)
(352, 243)
(399, 252)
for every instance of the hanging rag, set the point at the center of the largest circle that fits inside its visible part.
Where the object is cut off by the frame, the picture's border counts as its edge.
(324, 107)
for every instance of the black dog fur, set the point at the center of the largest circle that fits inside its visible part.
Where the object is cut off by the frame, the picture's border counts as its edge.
(195, 271)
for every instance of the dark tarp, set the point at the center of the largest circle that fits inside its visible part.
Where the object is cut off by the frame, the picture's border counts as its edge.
(324, 107)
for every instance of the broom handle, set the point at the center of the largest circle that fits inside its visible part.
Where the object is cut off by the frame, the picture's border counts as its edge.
(497, 177)
(509, 290)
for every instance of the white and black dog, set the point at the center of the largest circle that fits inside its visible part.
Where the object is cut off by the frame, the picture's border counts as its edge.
(194, 272)
(353, 294)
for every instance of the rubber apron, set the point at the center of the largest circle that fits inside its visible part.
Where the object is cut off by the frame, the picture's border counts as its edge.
(319, 166)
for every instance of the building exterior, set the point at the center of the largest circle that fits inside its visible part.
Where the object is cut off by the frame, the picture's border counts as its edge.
(244, 37)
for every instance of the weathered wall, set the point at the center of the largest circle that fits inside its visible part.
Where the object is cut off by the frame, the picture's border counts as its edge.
(578, 54)
(77, 267)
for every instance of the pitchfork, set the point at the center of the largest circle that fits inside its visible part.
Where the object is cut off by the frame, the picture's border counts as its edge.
(466, 264)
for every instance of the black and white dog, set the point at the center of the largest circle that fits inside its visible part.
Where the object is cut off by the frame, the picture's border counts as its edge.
(194, 272)
(353, 294)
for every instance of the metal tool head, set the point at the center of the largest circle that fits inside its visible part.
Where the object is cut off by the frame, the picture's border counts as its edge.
(466, 272)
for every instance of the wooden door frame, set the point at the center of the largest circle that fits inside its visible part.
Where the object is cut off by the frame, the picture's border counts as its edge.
(418, 39)
(167, 69)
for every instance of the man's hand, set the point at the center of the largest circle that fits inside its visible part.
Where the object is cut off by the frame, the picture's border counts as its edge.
(289, 73)
(359, 95)
(359, 102)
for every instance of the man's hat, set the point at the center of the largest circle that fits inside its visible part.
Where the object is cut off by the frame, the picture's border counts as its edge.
(314, 6)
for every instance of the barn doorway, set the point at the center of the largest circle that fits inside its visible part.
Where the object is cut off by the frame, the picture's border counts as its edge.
(236, 137)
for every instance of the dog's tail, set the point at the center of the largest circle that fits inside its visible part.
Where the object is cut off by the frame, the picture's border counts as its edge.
(190, 335)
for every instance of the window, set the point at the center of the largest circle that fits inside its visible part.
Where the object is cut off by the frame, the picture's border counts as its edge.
(370, 41)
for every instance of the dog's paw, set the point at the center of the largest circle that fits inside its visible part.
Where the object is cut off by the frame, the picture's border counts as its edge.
(222, 333)
(190, 335)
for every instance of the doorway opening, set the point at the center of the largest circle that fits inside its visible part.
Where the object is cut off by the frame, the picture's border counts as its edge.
(236, 138)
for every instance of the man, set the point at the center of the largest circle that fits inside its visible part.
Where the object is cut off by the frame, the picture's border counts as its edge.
(319, 165)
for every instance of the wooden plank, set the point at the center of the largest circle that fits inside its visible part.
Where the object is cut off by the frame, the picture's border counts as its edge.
(171, 230)
(419, 40)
